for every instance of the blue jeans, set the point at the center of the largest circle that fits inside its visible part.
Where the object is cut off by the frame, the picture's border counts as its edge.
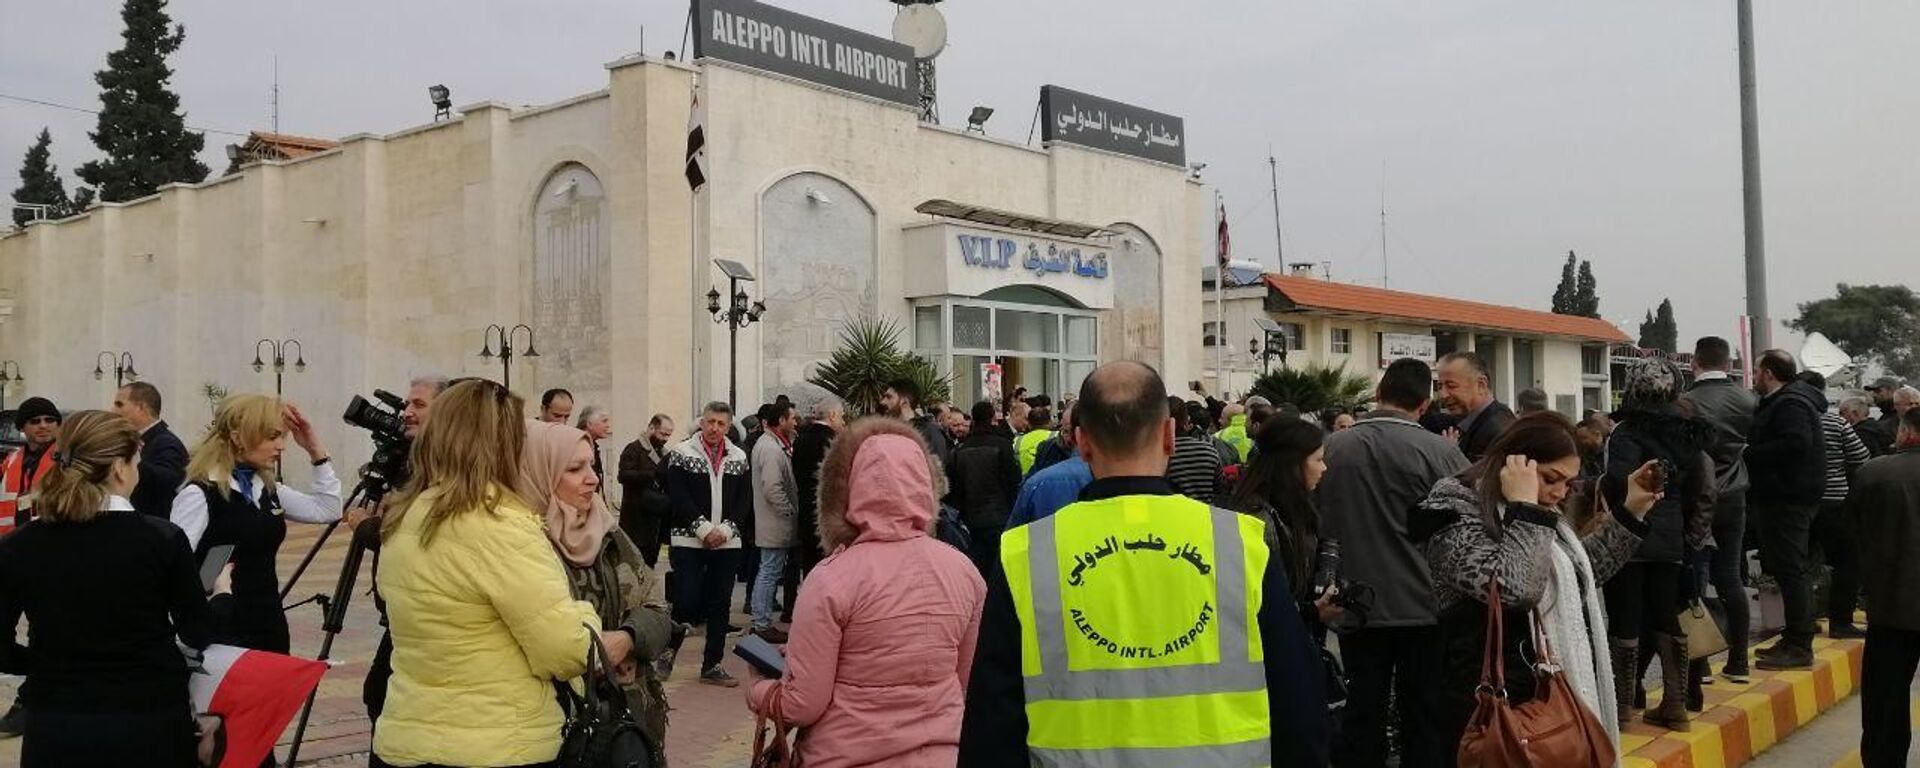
(773, 564)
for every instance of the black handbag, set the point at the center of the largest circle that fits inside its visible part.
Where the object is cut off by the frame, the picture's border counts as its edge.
(600, 732)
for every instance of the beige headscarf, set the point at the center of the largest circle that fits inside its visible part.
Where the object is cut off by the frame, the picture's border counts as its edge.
(576, 533)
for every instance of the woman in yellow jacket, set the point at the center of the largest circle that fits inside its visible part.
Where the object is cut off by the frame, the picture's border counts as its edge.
(477, 600)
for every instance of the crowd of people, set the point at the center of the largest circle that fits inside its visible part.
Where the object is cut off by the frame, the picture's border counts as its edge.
(1120, 577)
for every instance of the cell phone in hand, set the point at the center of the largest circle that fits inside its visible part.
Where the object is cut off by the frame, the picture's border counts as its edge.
(217, 558)
(765, 658)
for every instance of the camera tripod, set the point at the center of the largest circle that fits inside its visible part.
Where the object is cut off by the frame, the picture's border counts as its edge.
(334, 608)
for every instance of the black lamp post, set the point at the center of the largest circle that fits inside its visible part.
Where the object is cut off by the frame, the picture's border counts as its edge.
(279, 360)
(738, 314)
(1276, 346)
(123, 371)
(506, 336)
(9, 374)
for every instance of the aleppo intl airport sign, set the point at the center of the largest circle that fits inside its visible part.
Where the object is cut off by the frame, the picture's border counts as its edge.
(781, 41)
(1090, 121)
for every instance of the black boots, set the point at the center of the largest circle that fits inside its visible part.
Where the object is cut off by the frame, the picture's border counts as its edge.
(1674, 664)
(1626, 674)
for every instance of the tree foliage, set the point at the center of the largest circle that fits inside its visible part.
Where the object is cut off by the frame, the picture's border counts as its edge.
(40, 182)
(1314, 387)
(868, 357)
(1577, 292)
(1880, 322)
(141, 130)
(1586, 295)
(1659, 330)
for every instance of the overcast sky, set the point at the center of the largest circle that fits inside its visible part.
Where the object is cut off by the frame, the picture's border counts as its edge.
(1506, 132)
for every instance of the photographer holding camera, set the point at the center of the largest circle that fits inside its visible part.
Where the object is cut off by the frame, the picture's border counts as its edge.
(413, 417)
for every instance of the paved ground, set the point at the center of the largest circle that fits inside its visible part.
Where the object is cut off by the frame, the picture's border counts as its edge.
(710, 726)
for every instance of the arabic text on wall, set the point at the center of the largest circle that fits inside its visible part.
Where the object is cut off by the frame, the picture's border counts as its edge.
(1004, 253)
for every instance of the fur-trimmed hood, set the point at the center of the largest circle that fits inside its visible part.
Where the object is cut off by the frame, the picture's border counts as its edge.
(898, 490)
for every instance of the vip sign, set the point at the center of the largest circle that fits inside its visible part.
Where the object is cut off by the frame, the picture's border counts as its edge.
(1040, 257)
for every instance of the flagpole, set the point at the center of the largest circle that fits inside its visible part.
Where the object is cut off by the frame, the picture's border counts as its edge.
(1219, 296)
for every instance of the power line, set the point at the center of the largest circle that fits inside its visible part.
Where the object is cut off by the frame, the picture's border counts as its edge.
(70, 107)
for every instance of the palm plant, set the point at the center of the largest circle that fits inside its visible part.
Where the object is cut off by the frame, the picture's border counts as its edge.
(1314, 387)
(868, 357)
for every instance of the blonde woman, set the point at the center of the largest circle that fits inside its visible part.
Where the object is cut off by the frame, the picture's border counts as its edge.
(106, 590)
(233, 498)
(477, 601)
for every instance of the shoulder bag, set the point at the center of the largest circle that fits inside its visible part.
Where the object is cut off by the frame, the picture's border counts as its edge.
(772, 737)
(1553, 729)
(600, 732)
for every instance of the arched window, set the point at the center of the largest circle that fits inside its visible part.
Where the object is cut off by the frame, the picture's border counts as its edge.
(817, 254)
(572, 283)
(1133, 331)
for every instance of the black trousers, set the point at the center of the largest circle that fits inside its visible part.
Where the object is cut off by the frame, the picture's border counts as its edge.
(1886, 674)
(1833, 529)
(1644, 597)
(1406, 661)
(984, 549)
(373, 690)
(161, 737)
(705, 581)
(1786, 533)
(1723, 570)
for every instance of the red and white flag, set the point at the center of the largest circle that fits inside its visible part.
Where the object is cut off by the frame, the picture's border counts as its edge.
(1224, 245)
(256, 692)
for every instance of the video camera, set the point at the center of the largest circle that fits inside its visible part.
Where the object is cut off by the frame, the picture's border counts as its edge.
(1354, 596)
(388, 467)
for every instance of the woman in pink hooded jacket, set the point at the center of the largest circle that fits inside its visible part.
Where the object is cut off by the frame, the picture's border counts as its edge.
(883, 635)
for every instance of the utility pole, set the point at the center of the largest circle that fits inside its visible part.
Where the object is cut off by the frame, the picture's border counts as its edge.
(1384, 281)
(1759, 325)
(276, 93)
(1273, 172)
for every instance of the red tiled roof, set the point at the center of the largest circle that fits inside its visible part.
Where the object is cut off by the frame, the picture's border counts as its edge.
(1315, 294)
(285, 146)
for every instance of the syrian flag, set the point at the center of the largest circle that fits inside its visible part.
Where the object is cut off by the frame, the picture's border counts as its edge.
(256, 692)
(697, 142)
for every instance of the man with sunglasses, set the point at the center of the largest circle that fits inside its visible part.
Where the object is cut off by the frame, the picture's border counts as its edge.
(39, 420)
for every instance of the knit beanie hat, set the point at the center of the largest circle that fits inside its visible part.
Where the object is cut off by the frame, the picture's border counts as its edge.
(33, 408)
(1651, 381)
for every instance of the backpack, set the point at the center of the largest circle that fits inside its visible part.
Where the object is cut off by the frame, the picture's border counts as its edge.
(949, 528)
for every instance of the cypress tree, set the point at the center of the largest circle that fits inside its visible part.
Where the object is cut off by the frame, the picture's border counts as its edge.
(40, 182)
(141, 130)
(1586, 296)
(1564, 294)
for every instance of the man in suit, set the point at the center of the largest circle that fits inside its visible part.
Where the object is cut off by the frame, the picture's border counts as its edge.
(163, 458)
(1466, 392)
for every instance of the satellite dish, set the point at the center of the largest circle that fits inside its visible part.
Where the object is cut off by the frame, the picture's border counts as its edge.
(922, 28)
(1824, 357)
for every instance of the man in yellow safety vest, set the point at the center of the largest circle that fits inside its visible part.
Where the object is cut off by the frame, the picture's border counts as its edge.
(1132, 628)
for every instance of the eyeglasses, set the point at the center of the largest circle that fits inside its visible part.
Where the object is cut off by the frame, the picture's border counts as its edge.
(39, 420)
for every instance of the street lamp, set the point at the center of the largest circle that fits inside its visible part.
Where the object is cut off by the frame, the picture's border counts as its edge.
(123, 371)
(9, 374)
(279, 349)
(1276, 343)
(738, 314)
(506, 336)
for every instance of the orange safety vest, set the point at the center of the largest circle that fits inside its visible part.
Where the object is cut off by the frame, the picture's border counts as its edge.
(16, 508)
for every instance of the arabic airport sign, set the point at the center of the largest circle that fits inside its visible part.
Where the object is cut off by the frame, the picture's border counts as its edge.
(1090, 121)
(948, 259)
(1419, 346)
(781, 41)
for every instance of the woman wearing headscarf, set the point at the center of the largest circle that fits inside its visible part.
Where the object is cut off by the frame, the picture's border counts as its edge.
(1645, 597)
(604, 568)
(863, 691)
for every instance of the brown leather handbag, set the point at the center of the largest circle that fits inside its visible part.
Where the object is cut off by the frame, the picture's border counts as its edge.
(1553, 729)
(773, 739)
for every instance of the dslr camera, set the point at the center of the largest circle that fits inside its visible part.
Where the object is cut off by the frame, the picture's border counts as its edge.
(388, 467)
